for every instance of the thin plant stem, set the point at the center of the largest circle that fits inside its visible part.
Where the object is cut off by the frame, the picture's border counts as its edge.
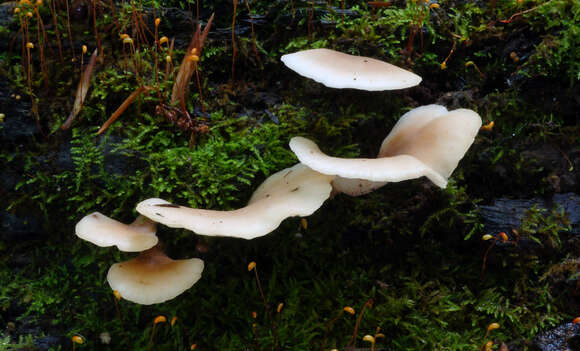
(234, 40)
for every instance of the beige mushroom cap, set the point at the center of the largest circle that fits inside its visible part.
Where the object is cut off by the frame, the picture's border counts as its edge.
(295, 191)
(104, 231)
(426, 141)
(338, 70)
(152, 277)
(390, 169)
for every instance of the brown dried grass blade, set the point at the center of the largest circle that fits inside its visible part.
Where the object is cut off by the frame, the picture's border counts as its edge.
(187, 67)
(82, 90)
(128, 101)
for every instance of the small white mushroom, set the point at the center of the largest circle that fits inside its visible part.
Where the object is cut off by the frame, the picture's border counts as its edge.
(295, 191)
(339, 70)
(427, 141)
(152, 277)
(104, 231)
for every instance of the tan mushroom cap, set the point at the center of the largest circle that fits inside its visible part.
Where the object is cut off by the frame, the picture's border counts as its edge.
(427, 141)
(152, 277)
(339, 70)
(104, 231)
(294, 191)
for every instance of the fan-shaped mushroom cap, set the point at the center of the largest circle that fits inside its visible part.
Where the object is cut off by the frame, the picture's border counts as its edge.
(152, 277)
(338, 70)
(427, 141)
(295, 191)
(104, 231)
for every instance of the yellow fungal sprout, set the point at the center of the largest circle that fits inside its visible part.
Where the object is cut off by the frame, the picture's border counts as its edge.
(487, 237)
(434, 6)
(280, 307)
(251, 266)
(254, 314)
(443, 66)
(122, 36)
(38, 3)
(369, 338)
(168, 59)
(117, 295)
(173, 320)
(505, 238)
(29, 14)
(489, 345)
(194, 51)
(163, 40)
(349, 310)
(77, 339)
(193, 58)
(84, 49)
(193, 346)
(127, 41)
(29, 45)
(17, 10)
(379, 335)
(304, 223)
(157, 21)
(159, 319)
(488, 127)
(493, 326)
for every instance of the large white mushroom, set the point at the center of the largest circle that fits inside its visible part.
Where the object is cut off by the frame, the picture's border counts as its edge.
(104, 231)
(426, 141)
(294, 191)
(339, 70)
(153, 277)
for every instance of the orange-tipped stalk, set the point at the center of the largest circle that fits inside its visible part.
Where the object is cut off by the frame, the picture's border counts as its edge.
(234, 39)
(368, 304)
(255, 46)
(157, 320)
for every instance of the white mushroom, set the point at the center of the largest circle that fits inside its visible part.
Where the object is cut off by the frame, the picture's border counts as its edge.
(295, 191)
(152, 277)
(338, 70)
(427, 141)
(104, 231)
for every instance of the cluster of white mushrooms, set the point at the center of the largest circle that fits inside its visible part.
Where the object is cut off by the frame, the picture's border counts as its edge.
(426, 141)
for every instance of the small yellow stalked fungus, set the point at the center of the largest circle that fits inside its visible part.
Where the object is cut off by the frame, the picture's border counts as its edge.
(122, 36)
(488, 127)
(487, 237)
(77, 339)
(117, 295)
(280, 307)
(157, 21)
(193, 58)
(369, 338)
(168, 59)
(84, 49)
(489, 345)
(173, 320)
(128, 40)
(349, 310)
(29, 45)
(251, 266)
(17, 10)
(492, 326)
(163, 40)
(160, 319)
